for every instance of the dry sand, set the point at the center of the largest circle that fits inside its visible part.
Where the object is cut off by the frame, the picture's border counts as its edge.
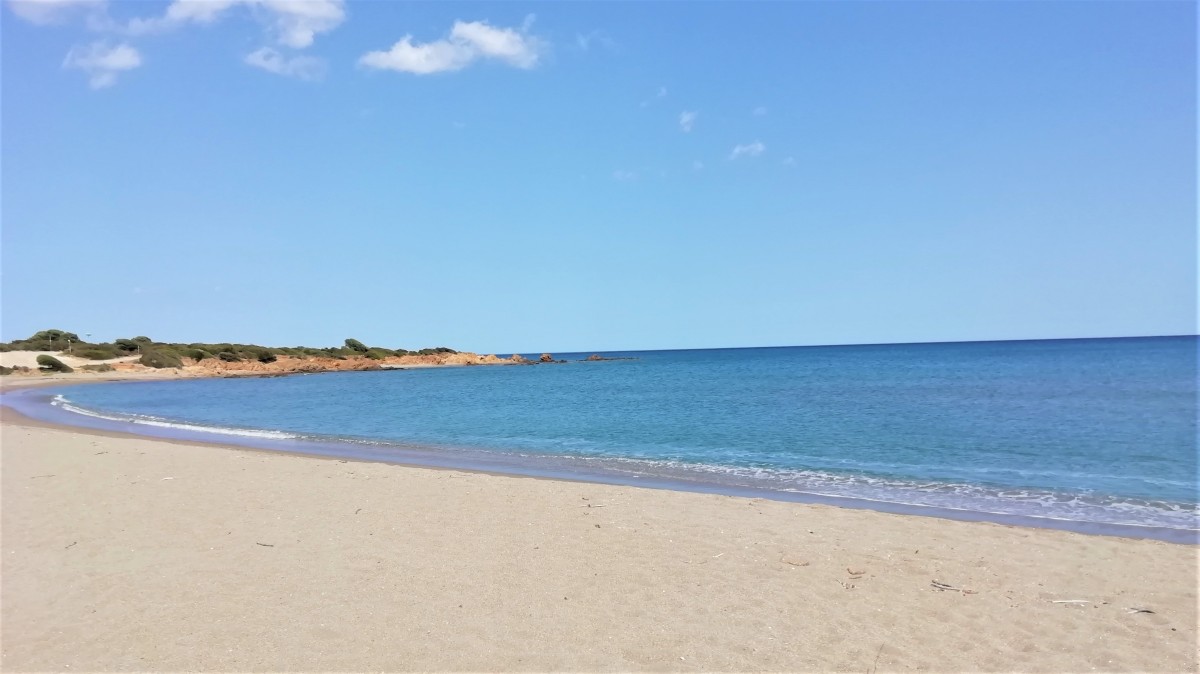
(29, 359)
(121, 553)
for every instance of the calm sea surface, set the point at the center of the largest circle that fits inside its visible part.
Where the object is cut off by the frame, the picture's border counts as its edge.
(1100, 431)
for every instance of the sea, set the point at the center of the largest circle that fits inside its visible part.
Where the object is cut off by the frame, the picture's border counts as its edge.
(1092, 435)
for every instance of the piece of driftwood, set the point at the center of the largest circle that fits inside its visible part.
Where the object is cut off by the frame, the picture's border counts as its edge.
(265, 545)
(937, 585)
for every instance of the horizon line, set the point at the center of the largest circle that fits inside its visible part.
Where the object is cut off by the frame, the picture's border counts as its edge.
(805, 346)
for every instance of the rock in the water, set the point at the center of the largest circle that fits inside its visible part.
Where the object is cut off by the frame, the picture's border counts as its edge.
(546, 358)
(595, 356)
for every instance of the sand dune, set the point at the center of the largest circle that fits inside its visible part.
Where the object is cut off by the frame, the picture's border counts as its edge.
(29, 359)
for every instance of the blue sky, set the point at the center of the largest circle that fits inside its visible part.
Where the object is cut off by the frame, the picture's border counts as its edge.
(584, 176)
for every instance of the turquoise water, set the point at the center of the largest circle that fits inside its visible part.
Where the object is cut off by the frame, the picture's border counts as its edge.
(1097, 431)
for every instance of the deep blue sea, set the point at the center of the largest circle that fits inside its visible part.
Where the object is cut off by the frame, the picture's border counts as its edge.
(1094, 431)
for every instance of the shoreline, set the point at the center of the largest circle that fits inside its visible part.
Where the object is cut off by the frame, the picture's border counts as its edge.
(494, 463)
(134, 553)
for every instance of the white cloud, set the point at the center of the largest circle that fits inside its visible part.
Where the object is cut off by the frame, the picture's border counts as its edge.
(747, 150)
(103, 63)
(687, 120)
(504, 44)
(624, 175)
(759, 111)
(789, 161)
(300, 67)
(420, 59)
(297, 22)
(291, 23)
(46, 12)
(294, 23)
(466, 43)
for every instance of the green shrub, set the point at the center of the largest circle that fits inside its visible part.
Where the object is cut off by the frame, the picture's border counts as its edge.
(355, 345)
(5, 370)
(159, 359)
(52, 364)
(197, 354)
(98, 353)
(102, 367)
(377, 354)
(127, 345)
(229, 357)
(435, 350)
(266, 357)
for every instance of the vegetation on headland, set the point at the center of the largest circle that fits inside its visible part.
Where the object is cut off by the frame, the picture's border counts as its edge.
(229, 359)
(156, 354)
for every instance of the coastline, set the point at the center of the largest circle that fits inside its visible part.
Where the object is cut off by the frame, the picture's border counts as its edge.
(514, 465)
(134, 553)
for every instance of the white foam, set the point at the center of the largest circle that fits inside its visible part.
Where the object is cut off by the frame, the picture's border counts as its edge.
(62, 402)
(1044, 504)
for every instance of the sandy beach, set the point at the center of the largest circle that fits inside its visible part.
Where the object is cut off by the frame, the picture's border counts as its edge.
(121, 553)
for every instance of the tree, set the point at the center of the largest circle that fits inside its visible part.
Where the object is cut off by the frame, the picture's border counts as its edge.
(54, 336)
(355, 345)
(127, 345)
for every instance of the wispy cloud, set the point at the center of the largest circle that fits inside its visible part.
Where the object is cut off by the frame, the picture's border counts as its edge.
(102, 62)
(300, 67)
(294, 23)
(687, 120)
(624, 175)
(747, 150)
(594, 39)
(49, 12)
(789, 161)
(467, 43)
(759, 111)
